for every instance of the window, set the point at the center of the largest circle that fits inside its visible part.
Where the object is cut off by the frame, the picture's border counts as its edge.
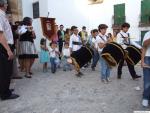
(119, 14)
(36, 10)
(145, 11)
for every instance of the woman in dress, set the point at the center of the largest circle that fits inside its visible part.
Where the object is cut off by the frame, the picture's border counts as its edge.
(27, 47)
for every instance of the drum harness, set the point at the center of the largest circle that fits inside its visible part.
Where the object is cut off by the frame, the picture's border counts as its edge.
(126, 43)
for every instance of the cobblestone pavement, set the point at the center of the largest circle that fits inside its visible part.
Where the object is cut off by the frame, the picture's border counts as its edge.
(65, 93)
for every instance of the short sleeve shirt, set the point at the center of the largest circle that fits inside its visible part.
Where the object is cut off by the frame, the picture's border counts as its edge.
(6, 28)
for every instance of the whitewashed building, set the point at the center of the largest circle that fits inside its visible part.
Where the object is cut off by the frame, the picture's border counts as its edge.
(82, 12)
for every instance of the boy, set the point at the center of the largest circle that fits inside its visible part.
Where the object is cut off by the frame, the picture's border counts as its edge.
(123, 38)
(54, 53)
(75, 40)
(102, 40)
(94, 46)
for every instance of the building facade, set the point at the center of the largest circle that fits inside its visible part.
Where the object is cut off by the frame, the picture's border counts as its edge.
(81, 13)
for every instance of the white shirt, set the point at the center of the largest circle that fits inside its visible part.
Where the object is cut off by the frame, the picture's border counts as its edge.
(66, 52)
(94, 43)
(6, 28)
(101, 39)
(75, 38)
(120, 40)
(52, 52)
(146, 37)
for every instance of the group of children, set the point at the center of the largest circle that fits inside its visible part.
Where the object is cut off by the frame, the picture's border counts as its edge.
(51, 54)
(99, 40)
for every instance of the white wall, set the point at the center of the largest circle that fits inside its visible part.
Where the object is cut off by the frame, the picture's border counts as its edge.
(69, 12)
(27, 8)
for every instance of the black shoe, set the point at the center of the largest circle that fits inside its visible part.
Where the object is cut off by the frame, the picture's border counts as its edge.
(81, 74)
(27, 76)
(12, 96)
(30, 73)
(136, 77)
(12, 90)
(78, 75)
(93, 69)
(119, 76)
(17, 77)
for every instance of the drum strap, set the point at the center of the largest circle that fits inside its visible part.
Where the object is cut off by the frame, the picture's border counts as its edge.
(77, 43)
(102, 38)
(126, 43)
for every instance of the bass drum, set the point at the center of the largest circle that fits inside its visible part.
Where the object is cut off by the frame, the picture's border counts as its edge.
(113, 53)
(133, 55)
(82, 56)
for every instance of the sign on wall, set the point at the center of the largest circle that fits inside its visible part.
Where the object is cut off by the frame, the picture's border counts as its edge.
(95, 1)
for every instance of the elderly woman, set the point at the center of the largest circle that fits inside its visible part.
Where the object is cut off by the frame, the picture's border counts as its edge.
(27, 47)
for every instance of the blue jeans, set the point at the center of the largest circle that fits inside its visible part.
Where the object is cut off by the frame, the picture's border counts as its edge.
(105, 69)
(146, 73)
(66, 65)
(53, 64)
(95, 58)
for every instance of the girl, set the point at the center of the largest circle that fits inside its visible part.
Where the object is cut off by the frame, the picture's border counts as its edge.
(44, 55)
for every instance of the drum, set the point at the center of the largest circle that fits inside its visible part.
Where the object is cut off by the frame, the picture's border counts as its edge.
(82, 56)
(133, 54)
(113, 53)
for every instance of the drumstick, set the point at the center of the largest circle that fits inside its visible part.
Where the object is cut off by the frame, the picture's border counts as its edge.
(146, 66)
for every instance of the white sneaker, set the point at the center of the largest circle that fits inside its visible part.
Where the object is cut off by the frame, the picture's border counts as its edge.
(83, 68)
(108, 79)
(145, 103)
(104, 81)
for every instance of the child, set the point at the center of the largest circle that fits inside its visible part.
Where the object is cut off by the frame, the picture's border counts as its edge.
(123, 38)
(44, 54)
(94, 46)
(54, 53)
(66, 55)
(102, 40)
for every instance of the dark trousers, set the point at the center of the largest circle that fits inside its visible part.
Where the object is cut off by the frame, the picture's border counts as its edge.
(60, 48)
(95, 58)
(5, 75)
(60, 43)
(130, 68)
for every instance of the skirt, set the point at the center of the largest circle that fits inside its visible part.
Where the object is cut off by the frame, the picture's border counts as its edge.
(27, 50)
